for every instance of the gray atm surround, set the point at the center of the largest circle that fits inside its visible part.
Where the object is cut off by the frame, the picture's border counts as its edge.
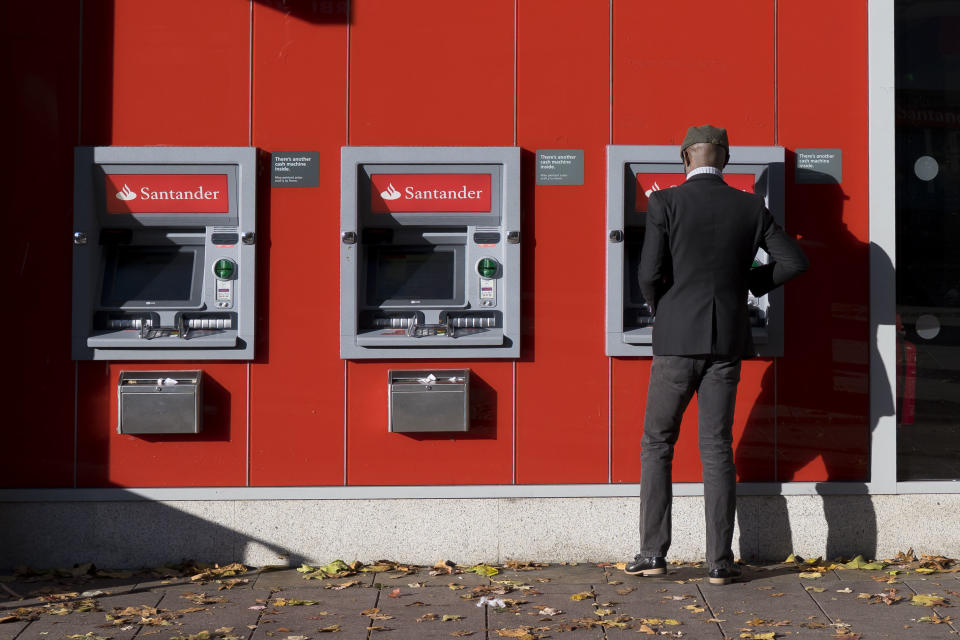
(451, 232)
(203, 238)
(625, 335)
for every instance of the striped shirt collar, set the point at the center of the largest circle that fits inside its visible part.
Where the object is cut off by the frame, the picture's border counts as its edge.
(710, 170)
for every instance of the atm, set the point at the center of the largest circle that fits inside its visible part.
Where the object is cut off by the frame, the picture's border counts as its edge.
(633, 174)
(430, 252)
(164, 253)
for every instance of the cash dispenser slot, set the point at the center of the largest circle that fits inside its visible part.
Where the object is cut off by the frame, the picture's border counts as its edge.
(429, 400)
(160, 402)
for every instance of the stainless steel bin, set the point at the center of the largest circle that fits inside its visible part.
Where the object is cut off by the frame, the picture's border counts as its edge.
(156, 402)
(421, 403)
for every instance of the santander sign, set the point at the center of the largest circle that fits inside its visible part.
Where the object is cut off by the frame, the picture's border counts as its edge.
(167, 193)
(430, 192)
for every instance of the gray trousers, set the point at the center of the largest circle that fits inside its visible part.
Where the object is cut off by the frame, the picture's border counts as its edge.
(673, 381)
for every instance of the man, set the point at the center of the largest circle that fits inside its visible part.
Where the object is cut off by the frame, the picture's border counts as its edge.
(695, 270)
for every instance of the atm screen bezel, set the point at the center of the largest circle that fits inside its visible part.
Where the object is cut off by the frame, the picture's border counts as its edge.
(458, 301)
(195, 301)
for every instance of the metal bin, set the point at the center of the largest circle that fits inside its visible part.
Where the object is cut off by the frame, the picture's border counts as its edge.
(157, 402)
(419, 403)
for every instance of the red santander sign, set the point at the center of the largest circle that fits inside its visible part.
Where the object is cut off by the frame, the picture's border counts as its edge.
(647, 183)
(430, 192)
(167, 193)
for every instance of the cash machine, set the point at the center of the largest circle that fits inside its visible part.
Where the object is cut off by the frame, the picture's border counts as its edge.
(164, 253)
(633, 174)
(430, 252)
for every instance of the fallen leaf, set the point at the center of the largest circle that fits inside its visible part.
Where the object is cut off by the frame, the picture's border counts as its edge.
(769, 635)
(811, 574)
(928, 600)
(520, 632)
(455, 586)
(647, 630)
(344, 585)
(291, 602)
(583, 595)
(427, 616)
(334, 628)
(816, 589)
(847, 590)
(813, 625)
(395, 593)
(626, 590)
(935, 619)
(484, 570)
(462, 633)
(613, 582)
(450, 618)
(860, 562)
(223, 630)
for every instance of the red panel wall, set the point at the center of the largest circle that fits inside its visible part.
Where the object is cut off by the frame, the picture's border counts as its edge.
(176, 81)
(535, 73)
(823, 431)
(563, 102)
(663, 82)
(413, 82)
(299, 104)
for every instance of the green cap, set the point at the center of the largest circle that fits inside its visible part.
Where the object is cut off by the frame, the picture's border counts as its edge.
(705, 133)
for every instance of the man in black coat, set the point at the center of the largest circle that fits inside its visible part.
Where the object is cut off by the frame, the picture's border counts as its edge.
(695, 269)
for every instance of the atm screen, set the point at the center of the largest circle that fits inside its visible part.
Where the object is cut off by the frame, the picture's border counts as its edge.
(138, 276)
(402, 275)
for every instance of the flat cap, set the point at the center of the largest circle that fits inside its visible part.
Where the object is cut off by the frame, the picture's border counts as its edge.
(705, 133)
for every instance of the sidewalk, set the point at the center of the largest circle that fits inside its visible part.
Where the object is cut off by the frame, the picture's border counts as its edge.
(583, 601)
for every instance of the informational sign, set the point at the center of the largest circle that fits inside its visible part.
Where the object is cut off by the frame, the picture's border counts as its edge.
(430, 192)
(647, 183)
(295, 169)
(560, 166)
(819, 166)
(166, 193)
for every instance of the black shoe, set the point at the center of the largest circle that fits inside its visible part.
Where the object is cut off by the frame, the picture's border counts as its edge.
(652, 566)
(724, 576)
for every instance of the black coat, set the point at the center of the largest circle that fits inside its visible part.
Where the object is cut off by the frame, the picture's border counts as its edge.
(696, 265)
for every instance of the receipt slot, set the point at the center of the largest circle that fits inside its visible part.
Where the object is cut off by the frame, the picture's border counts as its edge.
(164, 253)
(633, 174)
(430, 252)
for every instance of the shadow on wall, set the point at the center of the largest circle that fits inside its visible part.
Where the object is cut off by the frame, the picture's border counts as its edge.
(313, 11)
(135, 532)
(821, 412)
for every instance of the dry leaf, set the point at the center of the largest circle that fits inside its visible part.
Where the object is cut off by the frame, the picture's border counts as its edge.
(583, 595)
(811, 574)
(928, 600)
(334, 628)
(626, 590)
(450, 618)
(461, 633)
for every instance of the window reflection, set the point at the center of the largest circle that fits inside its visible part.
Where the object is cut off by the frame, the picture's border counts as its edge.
(928, 230)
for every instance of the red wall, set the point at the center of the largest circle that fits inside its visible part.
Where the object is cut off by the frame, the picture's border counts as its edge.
(304, 75)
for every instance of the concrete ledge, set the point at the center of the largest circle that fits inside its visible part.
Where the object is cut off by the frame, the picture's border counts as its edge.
(422, 531)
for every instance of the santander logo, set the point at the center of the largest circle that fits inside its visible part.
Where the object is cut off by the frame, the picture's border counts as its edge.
(390, 193)
(430, 192)
(168, 193)
(655, 187)
(126, 194)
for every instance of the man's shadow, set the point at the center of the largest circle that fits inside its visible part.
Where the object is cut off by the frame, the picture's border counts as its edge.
(813, 413)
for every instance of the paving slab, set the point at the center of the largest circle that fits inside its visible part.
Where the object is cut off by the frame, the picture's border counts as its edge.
(55, 627)
(334, 608)
(581, 573)
(233, 611)
(654, 603)
(879, 621)
(531, 607)
(428, 606)
(779, 604)
(292, 578)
